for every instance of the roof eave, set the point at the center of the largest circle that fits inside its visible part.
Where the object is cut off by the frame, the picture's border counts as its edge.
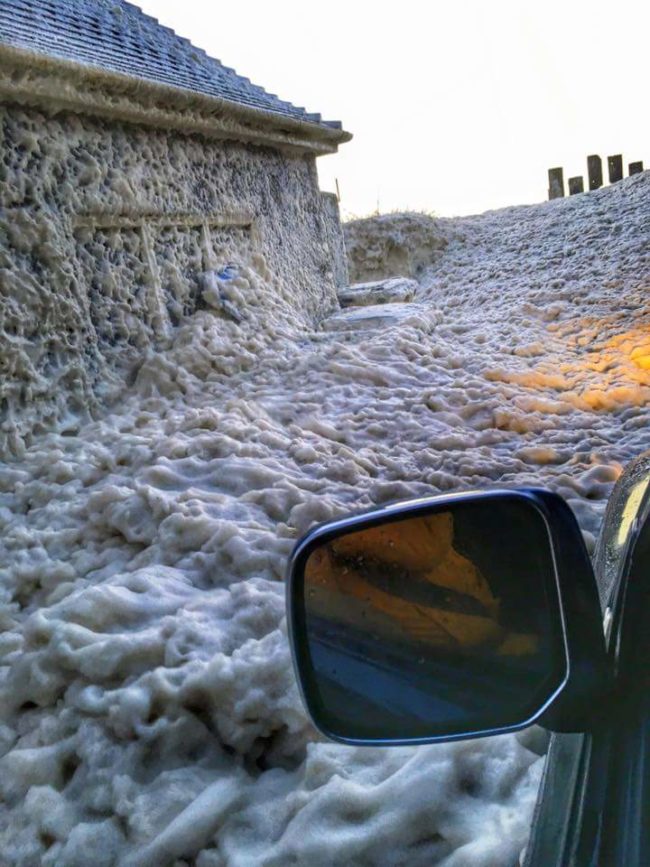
(55, 85)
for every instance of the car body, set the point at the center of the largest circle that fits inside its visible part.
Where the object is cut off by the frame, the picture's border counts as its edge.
(593, 807)
(594, 802)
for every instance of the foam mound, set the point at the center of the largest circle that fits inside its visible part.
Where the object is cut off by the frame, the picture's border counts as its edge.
(149, 710)
(390, 245)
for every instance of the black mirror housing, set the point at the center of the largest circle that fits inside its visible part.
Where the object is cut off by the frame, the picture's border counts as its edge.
(446, 618)
(590, 679)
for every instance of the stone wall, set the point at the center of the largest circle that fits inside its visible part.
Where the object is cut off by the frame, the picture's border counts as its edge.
(106, 231)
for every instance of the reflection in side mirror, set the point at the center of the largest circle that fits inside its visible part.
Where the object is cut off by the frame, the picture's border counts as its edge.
(438, 619)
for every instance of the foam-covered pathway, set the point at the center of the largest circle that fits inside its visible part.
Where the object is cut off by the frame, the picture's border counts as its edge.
(149, 710)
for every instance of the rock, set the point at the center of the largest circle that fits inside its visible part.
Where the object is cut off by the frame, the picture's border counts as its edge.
(393, 290)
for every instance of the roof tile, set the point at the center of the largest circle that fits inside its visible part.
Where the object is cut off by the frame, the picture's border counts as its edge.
(117, 36)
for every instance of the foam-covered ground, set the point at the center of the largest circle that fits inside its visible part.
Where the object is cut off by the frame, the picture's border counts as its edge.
(149, 710)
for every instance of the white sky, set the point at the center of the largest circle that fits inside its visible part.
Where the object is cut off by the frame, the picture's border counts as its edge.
(456, 106)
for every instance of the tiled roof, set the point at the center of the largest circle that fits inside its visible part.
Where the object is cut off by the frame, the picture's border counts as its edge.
(117, 36)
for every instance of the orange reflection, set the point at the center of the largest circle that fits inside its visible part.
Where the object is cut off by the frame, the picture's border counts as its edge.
(407, 577)
(640, 355)
(604, 368)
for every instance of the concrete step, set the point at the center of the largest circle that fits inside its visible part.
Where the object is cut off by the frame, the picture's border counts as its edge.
(391, 291)
(382, 316)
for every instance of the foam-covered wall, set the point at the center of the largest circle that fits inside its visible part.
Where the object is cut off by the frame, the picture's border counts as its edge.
(335, 239)
(107, 232)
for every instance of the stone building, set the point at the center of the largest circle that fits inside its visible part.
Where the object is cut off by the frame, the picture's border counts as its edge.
(132, 165)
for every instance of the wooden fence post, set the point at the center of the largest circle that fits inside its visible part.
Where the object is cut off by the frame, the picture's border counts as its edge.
(576, 185)
(615, 168)
(636, 168)
(595, 171)
(555, 183)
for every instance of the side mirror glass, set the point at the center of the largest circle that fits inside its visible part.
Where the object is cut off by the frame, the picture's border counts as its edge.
(433, 620)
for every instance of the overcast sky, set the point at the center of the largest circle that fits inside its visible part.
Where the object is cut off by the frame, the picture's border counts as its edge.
(456, 106)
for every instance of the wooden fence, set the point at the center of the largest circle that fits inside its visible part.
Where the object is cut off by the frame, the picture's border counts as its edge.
(594, 175)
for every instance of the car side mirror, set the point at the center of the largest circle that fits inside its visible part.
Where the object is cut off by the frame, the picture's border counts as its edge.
(446, 618)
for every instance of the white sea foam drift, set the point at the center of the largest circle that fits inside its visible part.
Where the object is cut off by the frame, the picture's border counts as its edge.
(149, 709)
